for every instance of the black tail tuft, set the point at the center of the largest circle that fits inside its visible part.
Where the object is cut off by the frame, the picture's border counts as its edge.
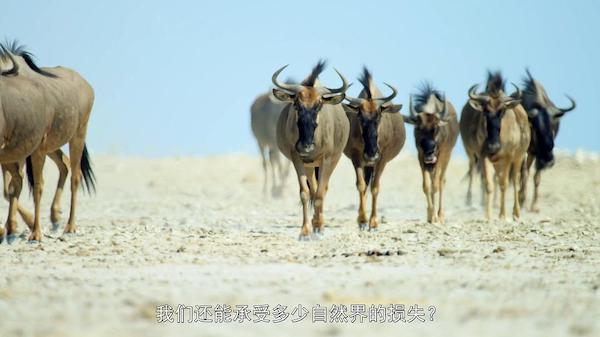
(89, 178)
(369, 175)
(29, 170)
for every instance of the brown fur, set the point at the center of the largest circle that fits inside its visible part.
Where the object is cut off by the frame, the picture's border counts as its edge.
(391, 137)
(514, 141)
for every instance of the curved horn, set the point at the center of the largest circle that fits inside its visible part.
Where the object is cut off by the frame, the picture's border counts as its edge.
(341, 89)
(288, 87)
(15, 68)
(518, 94)
(413, 112)
(474, 96)
(354, 101)
(390, 97)
(572, 107)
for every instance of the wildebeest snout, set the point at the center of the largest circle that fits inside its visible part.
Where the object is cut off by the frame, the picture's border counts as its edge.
(304, 149)
(491, 148)
(370, 158)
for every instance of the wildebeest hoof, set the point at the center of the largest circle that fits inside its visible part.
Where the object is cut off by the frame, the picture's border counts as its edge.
(363, 226)
(33, 242)
(318, 231)
(11, 238)
(55, 227)
(316, 236)
(373, 229)
(303, 238)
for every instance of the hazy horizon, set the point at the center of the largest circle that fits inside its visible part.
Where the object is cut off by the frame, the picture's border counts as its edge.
(178, 78)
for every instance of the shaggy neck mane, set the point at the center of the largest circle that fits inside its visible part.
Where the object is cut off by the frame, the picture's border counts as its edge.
(15, 48)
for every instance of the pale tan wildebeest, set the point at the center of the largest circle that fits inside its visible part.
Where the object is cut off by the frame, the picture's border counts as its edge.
(376, 136)
(544, 117)
(264, 114)
(495, 132)
(312, 132)
(58, 103)
(436, 130)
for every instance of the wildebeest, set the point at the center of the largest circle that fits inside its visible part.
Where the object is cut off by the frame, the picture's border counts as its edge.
(264, 114)
(58, 103)
(312, 132)
(436, 131)
(376, 136)
(495, 132)
(544, 118)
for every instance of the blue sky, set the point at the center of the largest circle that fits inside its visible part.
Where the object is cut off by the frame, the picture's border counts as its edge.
(178, 77)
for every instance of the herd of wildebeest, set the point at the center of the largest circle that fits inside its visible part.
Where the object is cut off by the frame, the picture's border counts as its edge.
(42, 109)
(312, 125)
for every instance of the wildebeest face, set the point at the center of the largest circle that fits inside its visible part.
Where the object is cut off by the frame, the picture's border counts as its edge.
(493, 108)
(544, 130)
(307, 104)
(369, 114)
(427, 126)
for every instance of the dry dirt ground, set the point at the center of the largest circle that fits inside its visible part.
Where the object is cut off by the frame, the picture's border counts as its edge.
(198, 231)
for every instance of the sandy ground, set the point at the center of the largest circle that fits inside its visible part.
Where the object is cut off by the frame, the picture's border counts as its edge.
(199, 231)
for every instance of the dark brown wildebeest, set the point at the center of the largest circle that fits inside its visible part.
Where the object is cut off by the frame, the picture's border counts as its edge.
(376, 136)
(496, 133)
(264, 114)
(544, 118)
(436, 131)
(66, 99)
(312, 132)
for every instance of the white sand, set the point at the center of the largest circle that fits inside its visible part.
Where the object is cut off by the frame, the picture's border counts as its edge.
(199, 231)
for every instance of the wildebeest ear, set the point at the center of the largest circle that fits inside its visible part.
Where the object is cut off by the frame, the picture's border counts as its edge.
(392, 108)
(333, 100)
(409, 120)
(283, 96)
(511, 104)
(350, 109)
(475, 105)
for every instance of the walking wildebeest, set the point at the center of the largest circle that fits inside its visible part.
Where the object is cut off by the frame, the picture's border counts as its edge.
(312, 132)
(496, 132)
(59, 113)
(376, 136)
(264, 114)
(436, 131)
(544, 118)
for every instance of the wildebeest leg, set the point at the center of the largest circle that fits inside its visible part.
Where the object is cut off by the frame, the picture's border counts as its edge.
(37, 166)
(524, 179)
(62, 162)
(536, 180)
(75, 153)
(435, 188)
(488, 184)
(325, 171)
(27, 217)
(470, 174)
(263, 156)
(277, 170)
(306, 229)
(361, 186)
(373, 222)
(312, 182)
(427, 190)
(516, 168)
(14, 191)
(503, 173)
(441, 183)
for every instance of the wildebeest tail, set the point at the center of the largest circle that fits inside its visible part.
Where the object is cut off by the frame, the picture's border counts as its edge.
(369, 175)
(89, 178)
(29, 171)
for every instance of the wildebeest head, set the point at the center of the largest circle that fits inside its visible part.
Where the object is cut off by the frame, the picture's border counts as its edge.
(493, 104)
(428, 115)
(368, 110)
(307, 99)
(544, 117)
